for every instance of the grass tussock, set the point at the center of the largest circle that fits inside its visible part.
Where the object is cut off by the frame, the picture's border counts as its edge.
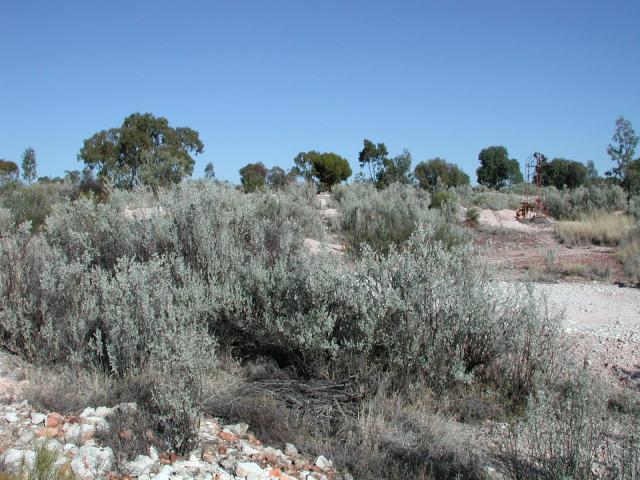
(629, 255)
(48, 464)
(598, 229)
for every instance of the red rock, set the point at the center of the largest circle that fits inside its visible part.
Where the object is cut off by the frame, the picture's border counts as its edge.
(74, 419)
(222, 450)
(208, 457)
(228, 437)
(48, 432)
(54, 420)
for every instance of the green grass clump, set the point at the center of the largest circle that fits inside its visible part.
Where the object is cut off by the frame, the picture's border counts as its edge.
(598, 229)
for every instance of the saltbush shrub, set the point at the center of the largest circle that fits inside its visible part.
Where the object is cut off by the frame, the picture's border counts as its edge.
(381, 218)
(571, 204)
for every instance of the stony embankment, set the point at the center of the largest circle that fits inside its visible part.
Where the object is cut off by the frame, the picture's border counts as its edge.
(225, 452)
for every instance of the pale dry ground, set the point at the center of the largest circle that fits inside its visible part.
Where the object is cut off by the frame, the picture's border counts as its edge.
(602, 326)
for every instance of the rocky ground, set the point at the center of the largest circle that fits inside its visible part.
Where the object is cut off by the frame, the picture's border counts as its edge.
(224, 452)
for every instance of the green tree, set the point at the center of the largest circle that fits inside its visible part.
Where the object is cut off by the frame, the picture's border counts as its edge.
(592, 173)
(374, 156)
(621, 151)
(330, 169)
(395, 170)
(303, 165)
(209, 172)
(326, 169)
(29, 165)
(72, 176)
(277, 178)
(496, 169)
(564, 173)
(8, 171)
(633, 172)
(437, 171)
(144, 150)
(253, 176)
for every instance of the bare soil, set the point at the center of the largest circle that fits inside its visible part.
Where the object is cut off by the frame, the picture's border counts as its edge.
(601, 318)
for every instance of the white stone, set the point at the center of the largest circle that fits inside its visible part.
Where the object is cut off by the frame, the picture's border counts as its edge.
(238, 429)
(91, 462)
(73, 433)
(87, 431)
(290, 449)
(191, 467)
(14, 459)
(11, 417)
(323, 463)
(246, 469)
(140, 466)
(153, 454)
(88, 412)
(101, 424)
(25, 437)
(249, 450)
(103, 412)
(70, 448)
(37, 418)
(164, 474)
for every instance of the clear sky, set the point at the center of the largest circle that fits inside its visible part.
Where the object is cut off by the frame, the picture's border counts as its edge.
(264, 80)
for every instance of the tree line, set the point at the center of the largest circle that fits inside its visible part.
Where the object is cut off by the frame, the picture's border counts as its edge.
(146, 150)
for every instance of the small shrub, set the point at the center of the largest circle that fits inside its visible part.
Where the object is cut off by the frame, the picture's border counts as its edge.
(439, 199)
(473, 215)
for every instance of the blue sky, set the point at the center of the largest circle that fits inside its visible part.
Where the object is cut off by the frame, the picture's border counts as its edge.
(264, 80)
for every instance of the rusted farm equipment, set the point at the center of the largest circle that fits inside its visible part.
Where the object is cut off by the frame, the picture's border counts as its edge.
(532, 208)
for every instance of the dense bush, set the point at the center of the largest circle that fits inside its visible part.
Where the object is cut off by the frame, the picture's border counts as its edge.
(568, 433)
(150, 295)
(571, 204)
(381, 218)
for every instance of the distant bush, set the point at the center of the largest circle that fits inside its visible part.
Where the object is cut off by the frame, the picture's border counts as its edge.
(571, 204)
(32, 203)
(495, 200)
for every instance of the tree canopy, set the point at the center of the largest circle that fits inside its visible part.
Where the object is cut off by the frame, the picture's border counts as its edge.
(621, 151)
(144, 150)
(437, 172)
(326, 169)
(395, 170)
(496, 169)
(564, 173)
(209, 171)
(253, 176)
(29, 165)
(374, 156)
(8, 170)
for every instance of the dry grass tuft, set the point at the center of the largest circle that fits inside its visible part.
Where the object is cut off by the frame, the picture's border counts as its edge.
(597, 229)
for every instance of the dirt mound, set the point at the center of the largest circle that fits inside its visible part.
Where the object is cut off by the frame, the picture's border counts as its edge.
(506, 219)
